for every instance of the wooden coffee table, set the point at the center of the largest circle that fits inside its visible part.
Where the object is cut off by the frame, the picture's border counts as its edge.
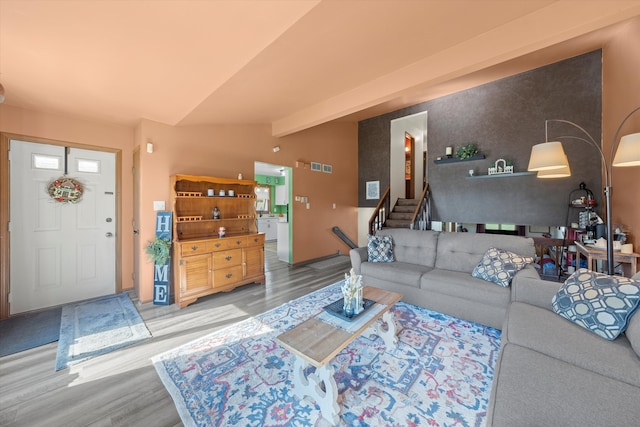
(316, 342)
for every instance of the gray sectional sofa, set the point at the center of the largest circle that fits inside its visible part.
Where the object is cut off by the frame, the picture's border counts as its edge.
(550, 372)
(433, 269)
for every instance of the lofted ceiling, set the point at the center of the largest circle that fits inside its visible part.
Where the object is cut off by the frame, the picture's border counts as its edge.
(291, 63)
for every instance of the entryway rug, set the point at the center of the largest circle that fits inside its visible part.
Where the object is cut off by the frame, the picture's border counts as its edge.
(29, 330)
(440, 375)
(95, 327)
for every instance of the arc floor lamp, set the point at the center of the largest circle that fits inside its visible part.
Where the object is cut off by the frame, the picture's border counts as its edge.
(550, 161)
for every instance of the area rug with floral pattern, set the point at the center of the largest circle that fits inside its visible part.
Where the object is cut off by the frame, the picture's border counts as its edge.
(440, 374)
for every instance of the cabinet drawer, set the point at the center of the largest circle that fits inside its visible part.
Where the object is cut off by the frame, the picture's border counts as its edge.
(217, 245)
(237, 242)
(226, 276)
(194, 248)
(227, 258)
(255, 240)
(227, 243)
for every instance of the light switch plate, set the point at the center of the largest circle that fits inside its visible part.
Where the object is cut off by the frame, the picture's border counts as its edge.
(158, 205)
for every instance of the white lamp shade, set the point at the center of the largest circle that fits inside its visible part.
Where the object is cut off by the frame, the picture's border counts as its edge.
(555, 173)
(628, 153)
(547, 156)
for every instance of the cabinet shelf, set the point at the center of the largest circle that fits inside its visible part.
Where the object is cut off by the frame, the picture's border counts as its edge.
(501, 175)
(582, 205)
(457, 160)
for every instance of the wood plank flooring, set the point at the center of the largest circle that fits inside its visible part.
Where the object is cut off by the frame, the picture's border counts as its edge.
(122, 388)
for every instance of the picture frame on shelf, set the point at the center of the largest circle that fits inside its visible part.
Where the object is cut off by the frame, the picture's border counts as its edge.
(327, 168)
(316, 167)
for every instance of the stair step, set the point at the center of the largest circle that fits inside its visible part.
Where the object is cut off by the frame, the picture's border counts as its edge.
(407, 216)
(397, 223)
(407, 208)
(407, 202)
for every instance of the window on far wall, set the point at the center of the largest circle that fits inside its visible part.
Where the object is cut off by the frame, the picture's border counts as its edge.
(511, 229)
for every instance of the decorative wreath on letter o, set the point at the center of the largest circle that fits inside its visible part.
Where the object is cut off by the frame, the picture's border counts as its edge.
(65, 190)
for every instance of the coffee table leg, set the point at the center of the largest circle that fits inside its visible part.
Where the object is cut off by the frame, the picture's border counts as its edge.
(388, 332)
(320, 386)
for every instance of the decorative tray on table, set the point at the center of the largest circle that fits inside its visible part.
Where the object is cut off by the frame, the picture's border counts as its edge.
(335, 308)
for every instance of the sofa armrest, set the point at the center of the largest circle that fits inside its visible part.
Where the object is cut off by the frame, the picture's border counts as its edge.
(358, 256)
(534, 291)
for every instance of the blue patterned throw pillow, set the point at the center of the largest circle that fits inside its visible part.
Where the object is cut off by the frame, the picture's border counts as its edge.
(380, 248)
(598, 302)
(499, 266)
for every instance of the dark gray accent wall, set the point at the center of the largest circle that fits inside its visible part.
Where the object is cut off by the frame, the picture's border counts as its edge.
(504, 119)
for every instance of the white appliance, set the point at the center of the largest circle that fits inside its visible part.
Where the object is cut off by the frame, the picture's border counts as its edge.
(283, 240)
(269, 226)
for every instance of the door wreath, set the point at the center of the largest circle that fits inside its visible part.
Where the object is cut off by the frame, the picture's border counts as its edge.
(65, 190)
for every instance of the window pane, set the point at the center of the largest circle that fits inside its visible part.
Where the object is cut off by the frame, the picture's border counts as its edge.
(42, 161)
(89, 166)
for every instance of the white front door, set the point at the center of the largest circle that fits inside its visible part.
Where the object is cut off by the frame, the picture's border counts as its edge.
(60, 252)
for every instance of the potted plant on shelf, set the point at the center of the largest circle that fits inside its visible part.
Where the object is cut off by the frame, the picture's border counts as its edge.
(466, 151)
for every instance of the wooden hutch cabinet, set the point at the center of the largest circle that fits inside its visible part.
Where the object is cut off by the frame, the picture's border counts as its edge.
(204, 262)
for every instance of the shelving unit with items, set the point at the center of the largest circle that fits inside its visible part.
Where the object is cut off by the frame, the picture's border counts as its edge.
(214, 254)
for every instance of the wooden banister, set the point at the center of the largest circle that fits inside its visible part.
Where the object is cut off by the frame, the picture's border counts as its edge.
(380, 214)
(422, 215)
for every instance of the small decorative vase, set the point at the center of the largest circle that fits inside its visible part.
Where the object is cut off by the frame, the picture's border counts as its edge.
(352, 293)
(349, 307)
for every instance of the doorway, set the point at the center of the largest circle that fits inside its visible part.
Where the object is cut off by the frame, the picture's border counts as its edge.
(275, 219)
(403, 167)
(409, 170)
(63, 240)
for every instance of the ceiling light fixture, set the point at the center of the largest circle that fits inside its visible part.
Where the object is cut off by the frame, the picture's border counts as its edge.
(550, 156)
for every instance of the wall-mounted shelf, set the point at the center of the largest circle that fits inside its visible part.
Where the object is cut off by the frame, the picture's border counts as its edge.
(501, 175)
(457, 160)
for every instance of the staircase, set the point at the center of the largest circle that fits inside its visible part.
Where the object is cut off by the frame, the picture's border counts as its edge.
(402, 214)
(414, 214)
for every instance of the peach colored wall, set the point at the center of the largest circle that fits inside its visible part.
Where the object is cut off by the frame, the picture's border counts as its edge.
(621, 86)
(92, 134)
(226, 150)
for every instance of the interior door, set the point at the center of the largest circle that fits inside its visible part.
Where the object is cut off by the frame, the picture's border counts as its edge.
(60, 252)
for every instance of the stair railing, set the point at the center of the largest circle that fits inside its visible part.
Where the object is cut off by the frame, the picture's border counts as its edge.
(381, 213)
(422, 215)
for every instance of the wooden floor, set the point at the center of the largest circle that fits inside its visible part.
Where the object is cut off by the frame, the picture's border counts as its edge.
(122, 388)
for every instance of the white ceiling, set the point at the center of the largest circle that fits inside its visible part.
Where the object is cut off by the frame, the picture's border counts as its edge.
(291, 63)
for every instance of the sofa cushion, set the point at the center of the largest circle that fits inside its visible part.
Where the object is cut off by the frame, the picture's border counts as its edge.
(633, 333)
(462, 285)
(598, 302)
(463, 251)
(499, 266)
(380, 248)
(543, 331)
(413, 246)
(397, 272)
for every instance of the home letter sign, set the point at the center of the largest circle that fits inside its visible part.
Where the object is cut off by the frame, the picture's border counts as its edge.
(161, 273)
